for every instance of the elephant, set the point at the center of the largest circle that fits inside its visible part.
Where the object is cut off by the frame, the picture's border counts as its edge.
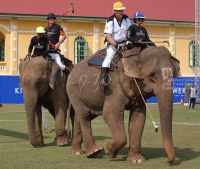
(153, 70)
(44, 84)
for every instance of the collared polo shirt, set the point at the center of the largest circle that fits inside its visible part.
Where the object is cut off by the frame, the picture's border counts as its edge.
(118, 30)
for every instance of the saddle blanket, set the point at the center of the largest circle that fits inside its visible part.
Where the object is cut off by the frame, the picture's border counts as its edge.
(97, 59)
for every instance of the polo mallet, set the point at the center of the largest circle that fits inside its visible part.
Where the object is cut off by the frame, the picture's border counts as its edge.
(156, 127)
(70, 9)
(155, 42)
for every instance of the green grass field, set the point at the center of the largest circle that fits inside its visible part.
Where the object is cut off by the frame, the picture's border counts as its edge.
(16, 152)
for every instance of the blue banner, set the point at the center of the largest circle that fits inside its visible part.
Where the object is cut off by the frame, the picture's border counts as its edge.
(179, 84)
(11, 92)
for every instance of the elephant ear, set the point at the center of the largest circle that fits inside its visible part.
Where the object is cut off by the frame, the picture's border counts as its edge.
(55, 73)
(176, 63)
(131, 64)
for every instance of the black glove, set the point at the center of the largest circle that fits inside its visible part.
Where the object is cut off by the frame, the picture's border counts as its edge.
(119, 48)
(129, 45)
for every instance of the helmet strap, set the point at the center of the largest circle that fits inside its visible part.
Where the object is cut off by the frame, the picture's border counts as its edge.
(138, 22)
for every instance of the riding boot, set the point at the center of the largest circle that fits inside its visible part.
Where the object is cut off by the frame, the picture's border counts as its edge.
(104, 71)
(67, 70)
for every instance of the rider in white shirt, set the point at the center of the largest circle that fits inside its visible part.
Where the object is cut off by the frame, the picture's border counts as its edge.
(115, 36)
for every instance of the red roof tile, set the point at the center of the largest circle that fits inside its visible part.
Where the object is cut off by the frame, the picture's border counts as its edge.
(170, 10)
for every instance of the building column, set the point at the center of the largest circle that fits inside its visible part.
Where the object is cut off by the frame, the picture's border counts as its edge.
(14, 58)
(96, 36)
(63, 46)
(172, 40)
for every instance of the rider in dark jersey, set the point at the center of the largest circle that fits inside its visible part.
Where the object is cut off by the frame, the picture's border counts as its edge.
(138, 34)
(53, 32)
(40, 44)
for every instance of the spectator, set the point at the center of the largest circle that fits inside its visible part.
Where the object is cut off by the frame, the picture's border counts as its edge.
(44, 122)
(193, 93)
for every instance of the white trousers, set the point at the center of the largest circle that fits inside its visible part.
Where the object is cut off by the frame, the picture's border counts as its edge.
(56, 57)
(111, 50)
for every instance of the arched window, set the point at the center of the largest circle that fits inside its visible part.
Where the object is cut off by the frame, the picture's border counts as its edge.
(80, 49)
(2, 47)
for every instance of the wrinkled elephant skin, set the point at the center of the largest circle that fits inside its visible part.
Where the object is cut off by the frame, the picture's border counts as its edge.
(153, 69)
(43, 85)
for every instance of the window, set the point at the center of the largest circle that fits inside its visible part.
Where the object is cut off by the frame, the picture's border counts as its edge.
(80, 49)
(192, 52)
(2, 46)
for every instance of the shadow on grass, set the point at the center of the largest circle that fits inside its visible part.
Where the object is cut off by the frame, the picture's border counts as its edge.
(15, 134)
(182, 155)
(101, 138)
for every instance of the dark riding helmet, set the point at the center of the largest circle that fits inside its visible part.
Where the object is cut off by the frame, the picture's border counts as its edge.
(51, 15)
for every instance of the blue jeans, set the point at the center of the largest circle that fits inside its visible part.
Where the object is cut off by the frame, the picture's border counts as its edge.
(192, 102)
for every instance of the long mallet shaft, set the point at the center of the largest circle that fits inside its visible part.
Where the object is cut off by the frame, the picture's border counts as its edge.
(156, 127)
(156, 42)
(70, 9)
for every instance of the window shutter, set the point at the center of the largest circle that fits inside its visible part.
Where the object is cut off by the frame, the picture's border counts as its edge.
(75, 52)
(192, 54)
(86, 49)
(2, 53)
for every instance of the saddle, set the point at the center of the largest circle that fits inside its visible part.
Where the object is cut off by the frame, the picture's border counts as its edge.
(98, 58)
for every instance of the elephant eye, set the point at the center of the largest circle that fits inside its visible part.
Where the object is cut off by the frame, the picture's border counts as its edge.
(152, 76)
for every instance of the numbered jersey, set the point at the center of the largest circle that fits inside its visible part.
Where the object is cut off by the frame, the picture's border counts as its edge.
(118, 30)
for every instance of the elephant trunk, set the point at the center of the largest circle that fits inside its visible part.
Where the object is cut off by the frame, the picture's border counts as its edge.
(165, 103)
(30, 108)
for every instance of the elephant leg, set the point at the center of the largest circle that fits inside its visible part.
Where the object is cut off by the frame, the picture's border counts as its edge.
(52, 112)
(78, 138)
(136, 125)
(84, 116)
(38, 125)
(114, 117)
(60, 108)
(70, 116)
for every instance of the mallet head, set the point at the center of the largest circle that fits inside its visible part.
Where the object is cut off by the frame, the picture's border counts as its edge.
(156, 129)
(72, 7)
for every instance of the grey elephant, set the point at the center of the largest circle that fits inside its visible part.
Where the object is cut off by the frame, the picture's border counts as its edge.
(153, 70)
(44, 84)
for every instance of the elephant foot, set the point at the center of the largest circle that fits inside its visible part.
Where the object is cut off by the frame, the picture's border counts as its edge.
(93, 152)
(39, 144)
(61, 140)
(135, 158)
(109, 150)
(77, 151)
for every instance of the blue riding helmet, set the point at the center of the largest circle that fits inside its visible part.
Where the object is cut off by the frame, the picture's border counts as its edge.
(138, 15)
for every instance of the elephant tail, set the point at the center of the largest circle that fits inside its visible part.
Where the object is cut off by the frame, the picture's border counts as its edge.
(70, 116)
